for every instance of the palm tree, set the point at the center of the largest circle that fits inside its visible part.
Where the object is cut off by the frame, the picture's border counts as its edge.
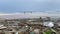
(24, 12)
(31, 12)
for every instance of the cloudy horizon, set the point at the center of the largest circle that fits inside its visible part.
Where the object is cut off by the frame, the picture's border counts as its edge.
(27, 15)
(15, 8)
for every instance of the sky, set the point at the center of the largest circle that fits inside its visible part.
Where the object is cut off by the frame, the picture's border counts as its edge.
(11, 6)
(16, 7)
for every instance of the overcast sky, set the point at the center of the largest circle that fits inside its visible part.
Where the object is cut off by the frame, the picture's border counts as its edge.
(7, 6)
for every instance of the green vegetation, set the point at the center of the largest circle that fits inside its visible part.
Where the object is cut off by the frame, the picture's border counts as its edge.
(49, 31)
